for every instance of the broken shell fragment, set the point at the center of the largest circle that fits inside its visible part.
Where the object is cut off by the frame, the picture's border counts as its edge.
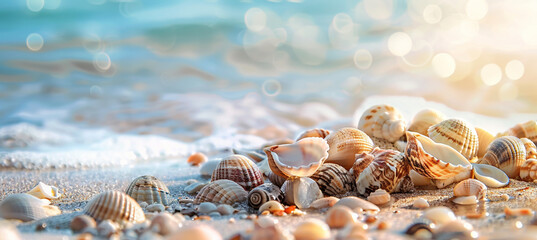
(149, 189)
(425, 119)
(324, 202)
(26, 207)
(333, 179)
(316, 132)
(345, 144)
(507, 153)
(528, 170)
(489, 175)
(264, 193)
(383, 121)
(221, 191)
(44, 191)
(239, 169)
(301, 192)
(379, 197)
(116, 206)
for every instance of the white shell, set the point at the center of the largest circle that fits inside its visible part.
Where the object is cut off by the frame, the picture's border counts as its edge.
(465, 200)
(490, 175)
(439, 215)
(301, 192)
(116, 206)
(470, 187)
(197, 232)
(354, 203)
(345, 144)
(379, 197)
(324, 202)
(312, 229)
(45, 191)
(26, 207)
(300, 159)
(420, 203)
(339, 216)
(383, 121)
(425, 119)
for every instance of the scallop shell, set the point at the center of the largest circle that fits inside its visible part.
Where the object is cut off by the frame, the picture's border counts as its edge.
(484, 138)
(26, 207)
(528, 170)
(221, 191)
(523, 130)
(333, 179)
(345, 144)
(379, 197)
(386, 169)
(531, 149)
(383, 121)
(115, 206)
(434, 160)
(470, 187)
(264, 193)
(45, 191)
(276, 179)
(490, 175)
(457, 134)
(301, 192)
(149, 189)
(507, 153)
(239, 169)
(316, 132)
(300, 159)
(425, 119)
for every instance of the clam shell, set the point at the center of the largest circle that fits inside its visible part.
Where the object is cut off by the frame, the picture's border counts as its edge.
(484, 138)
(528, 170)
(531, 149)
(490, 175)
(523, 130)
(115, 206)
(26, 207)
(45, 191)
(264, 193)
(333, 179)
(316, 132)
(221, 191)
(301, 192)
(383, 121)
(300, 159)
(239, 169)
(386, 169)
(470, 187)
(379, 197)
(457, 134)
(425, 119)
(276, 179)
(149, 189)
(507, 153)
(345, 144)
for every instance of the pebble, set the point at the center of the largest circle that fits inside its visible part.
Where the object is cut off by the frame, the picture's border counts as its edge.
(107, 228)
(420, 203)
(194, 188)
(215, 214)
(79, 223)
(339, 216)
(164, 224)
(186, 200)
(197, 159)
(188, 212)
(225, 209)
(41, 227)
(439, 215)
(143, 204)
(206, 207)
(231, 220)
(155, 207)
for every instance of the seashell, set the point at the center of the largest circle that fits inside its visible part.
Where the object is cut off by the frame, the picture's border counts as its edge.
(253, 154)
(379, 197)
(333, 179)
(271, 206)
(239, 169)
(221, 191)
(115, 206)
(225, 209)
(324, 202)
(385, 144)
(316, 132)
(439, 215)
(465, 200)
(484, 138)
(196, 231)
(206, 207)
(276, 179)
(301, 192)
(81, 222)
(354, 203)
(149, 189)
(457, 134)
(528, 170)
(264, 193)
(531, 149)
(442, 183)
(405, 186)
(489, 175)
(339, 216)
(420, 231)
(194, 188)
(425, 119)
(470, 187)
(267, 228)
(107, 228)
(517, 211)
(345, 144)
(386, 170)
(420, 203)
(312, 229)
(26, 207)
(207, 169)
(507, 153)
(418, 179)
(44, 191)
(197, 159)
(383, 121)
(353, 231)
(434, 160)
(523, 130)
(165, 224)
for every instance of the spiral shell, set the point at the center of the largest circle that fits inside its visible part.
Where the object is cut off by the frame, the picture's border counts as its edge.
(523, 130)
(221, 191)
(457, 134)
(484, 138)
(531, 149)
(239, 169)
(264, 193)
(276, 179)
(470, 187)
(425, 119)
(379, 169)
(528, 170)
(115, 206)
(316, 132)
(45, 191)
(383, 121)
(149, 189)
(345, 144)
(333, 179)
(26, 207)
(301, 192)
(507, 153)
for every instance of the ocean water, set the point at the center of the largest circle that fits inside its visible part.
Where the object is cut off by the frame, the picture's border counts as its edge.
(95, 83)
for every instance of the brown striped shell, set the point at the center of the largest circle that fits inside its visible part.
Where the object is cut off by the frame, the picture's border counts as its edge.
(345, 143)
(457, 134)
(115, 206)
(523, 130)
(528, 170)
(316, 132)
(470, 187)
(239, 169)
(221, 191)
(383, 121)
(425, 119)
(26, 207)
(149, 189)
(333, 179)
(264, 193)
(380, 169)
(507, 153)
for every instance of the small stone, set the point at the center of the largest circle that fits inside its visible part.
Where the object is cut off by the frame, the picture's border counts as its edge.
(164, 224)
(41, 227)
(420, 203)
(79, 223)
(206, 207)
(185, 200)
(155, 207)
(194, 188)
(231, 220)
(197, 159)
(188, 212)
(225, 209)
(107, 228)
(214, 214)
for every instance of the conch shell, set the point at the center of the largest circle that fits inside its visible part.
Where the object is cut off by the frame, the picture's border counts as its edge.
(44, 191)
(425, 119)
(345, 144)
(457, 134)
(507, 153)
(523, 130)
(383, 121)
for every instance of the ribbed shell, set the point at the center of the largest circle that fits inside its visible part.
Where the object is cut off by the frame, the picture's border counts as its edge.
(221, 191)
(26, 207)
(316, 132)
(345, 144)
(484, 138)
(264, 193)
(528, 170)
(531, 149)
(386, 169)
(239, 169)
(276, 179)
(523, 130)
(507, 153)
(115, 206)
(149, 189)
(383, 121)
(470, 187)
(457, 134)
(333, 179)
(425, 119)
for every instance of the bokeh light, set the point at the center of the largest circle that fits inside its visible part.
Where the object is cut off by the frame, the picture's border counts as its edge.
(35, 5)
(444, 65)
(508, 91)
(343, 23)
(476, 9)
(491, 74)
(271, 87)
(255, 19)
(399, 44)
(378, 9)
(432, 14)
(514, 70)
(363, 59)
(34, 42)
(102, 61)
(420, 55)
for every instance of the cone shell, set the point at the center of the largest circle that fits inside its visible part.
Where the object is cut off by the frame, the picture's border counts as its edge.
(149, 189)
(301, 192)
(45, 191)
(507, 153)
(523, 130)
(434, 160)
(470, 187)
(264, 193)
(386, 169)
(239, 169)
(484, 138)
(275, 179)
(221, 191)
(115, 206)
(345, 144)
(528, 170)
(26, 207)
(457, 134)
(383, 121)
(316, 132)
(489, 175)
(333, 179)
(300, 159)
(425, 119)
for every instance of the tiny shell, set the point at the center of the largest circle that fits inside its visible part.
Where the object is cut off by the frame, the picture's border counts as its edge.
(457, 134)
(165, 223)
(225, 209)
(197, 159)
(490, 175)
(239, 169)
(115, 206)
(197, 232)
(507, 153)
(523, 130)
(383, 121)
(206, 207)
(26, 207)
(465, 200)
(271, 206)
(312, 229)
(276, 179)
(264, 193)
(207, 169)
(339, 216)
(420, 203)
(470, 187)
(333, 179)
(485, 138)
(354, 203)
(149, 189)
(316, 132)
(425, 119)
(379, 197)
(45, 191)
(345, 144)
(221, 191)
(528, 170)
(324, 202)
(439, 215)
(301, 192)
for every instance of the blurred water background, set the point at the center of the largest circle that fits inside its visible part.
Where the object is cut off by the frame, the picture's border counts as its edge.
(91, 83)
